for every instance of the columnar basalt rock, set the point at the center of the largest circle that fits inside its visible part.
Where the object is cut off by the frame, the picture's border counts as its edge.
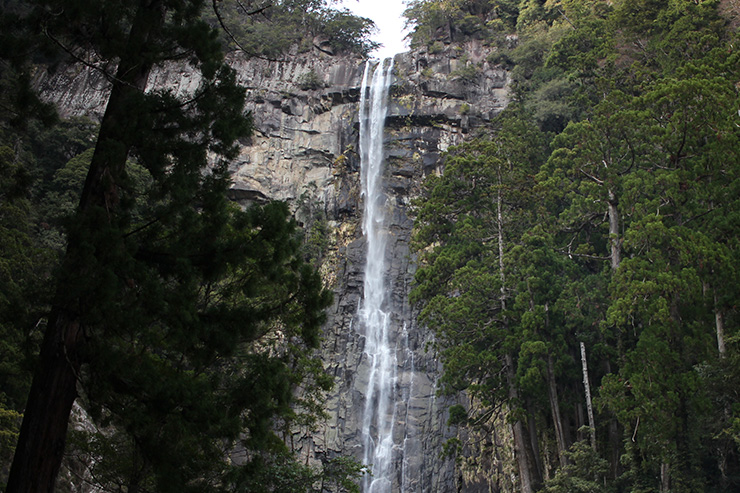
(305, 110)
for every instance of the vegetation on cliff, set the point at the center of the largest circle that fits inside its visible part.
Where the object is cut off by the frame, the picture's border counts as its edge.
(271, 28)
(595, 223)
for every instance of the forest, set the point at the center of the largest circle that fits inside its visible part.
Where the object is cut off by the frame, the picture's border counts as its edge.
(579, 258)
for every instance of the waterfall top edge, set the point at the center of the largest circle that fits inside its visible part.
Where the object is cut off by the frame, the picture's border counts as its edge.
(383, 59)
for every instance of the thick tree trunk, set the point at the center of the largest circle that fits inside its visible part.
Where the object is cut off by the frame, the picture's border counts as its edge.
(665, 478)
(43, 432)
(536, 467)
(520, 445)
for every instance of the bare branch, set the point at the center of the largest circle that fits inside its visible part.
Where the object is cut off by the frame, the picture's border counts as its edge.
(584, 255)
(600, 182)
(259, 10)
(566, 18)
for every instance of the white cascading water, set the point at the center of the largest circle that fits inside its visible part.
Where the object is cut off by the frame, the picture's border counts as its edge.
(379, 413)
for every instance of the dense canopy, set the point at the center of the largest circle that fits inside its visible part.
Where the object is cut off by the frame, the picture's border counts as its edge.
(593, 228)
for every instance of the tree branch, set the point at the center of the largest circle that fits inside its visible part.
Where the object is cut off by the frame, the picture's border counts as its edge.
(584, 255)
(108, 75)
(222, 23)
(600, 182)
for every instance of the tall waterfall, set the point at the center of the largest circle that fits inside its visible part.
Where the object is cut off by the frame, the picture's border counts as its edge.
(379, 415)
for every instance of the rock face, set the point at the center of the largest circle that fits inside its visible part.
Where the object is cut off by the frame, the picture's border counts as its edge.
(305, 146)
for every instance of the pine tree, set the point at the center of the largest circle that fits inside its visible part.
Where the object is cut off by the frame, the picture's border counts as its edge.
(180, 320)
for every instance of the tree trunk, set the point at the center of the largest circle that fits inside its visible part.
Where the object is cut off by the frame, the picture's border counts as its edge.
(43, 432)
(520, 446)
(536, 467)
(589, 406)
(615, 254)
(580, 422)
(665, 478)
(614, 242)
(719, 323)
(555, 410)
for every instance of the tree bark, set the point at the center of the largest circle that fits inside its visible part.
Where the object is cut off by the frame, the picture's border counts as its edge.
(589, 406)
(534, 448)
(43, 432)
(665, 478)
(615, 245)
(555, 410)
(42, 437)
(520, 446)
(719, 324)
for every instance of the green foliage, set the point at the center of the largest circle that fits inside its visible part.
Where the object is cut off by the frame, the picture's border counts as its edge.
(347, 32)
(458, 415)
(584, 473)
(24, 266)
(624, 240)
(312, 213)
(467, 73)
(435, 21)
(268, 472)
(458, 283)
(310, 81)
(30, 243)
(10, 422)
(54, 146)
(271, 29)
(436, 48)
(280, 472)
(213, 364)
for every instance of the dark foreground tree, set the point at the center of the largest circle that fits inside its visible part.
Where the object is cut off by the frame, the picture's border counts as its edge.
(178, 319)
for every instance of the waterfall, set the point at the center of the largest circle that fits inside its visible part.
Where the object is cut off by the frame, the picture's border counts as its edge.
(379, 414)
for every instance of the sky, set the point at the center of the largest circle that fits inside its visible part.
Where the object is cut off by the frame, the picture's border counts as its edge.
(388, 17)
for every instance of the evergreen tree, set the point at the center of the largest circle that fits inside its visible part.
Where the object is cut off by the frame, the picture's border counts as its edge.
(179, 320)
(470, 221)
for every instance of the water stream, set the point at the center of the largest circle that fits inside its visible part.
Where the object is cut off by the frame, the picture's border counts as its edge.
(379, 416)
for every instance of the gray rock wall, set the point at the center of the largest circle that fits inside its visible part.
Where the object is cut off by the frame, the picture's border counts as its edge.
(306, 141)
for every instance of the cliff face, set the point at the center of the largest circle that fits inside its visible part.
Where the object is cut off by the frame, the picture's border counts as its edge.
(306, 145)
